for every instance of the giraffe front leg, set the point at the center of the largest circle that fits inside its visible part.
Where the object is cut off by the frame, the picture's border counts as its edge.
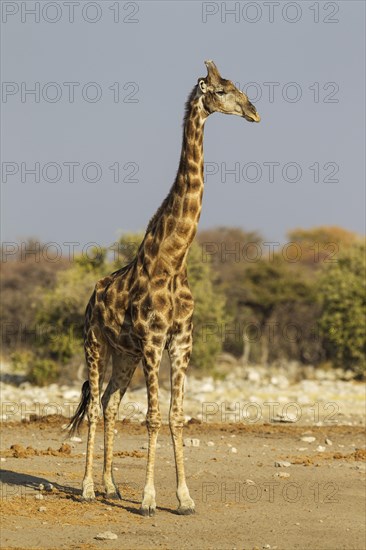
(179, 356)
(148, 506)
(176, 419)
(153, 422)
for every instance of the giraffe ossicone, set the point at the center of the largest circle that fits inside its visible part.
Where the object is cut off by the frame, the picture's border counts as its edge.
(147, 306)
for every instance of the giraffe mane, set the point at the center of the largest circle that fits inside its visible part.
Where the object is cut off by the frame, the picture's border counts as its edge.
(187, 106)
(161, 208)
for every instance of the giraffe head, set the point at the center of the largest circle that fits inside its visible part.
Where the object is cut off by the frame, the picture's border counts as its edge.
(221, 96)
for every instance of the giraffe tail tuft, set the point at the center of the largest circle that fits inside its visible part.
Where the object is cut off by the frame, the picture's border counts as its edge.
(80, 412)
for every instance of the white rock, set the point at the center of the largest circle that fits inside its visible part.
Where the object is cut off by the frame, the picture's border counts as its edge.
(249, 482)
(146, 446)
(253, 399)
(282, 464)
(328, 441)
(281, 381)
(71, 394)
(253, 376)
(3, 459)
(76, 439)
(282, 474)
(210, 444)
(320, 449)
(107, 535)
(191, 442)
(39, 496)
(234, 450)
(207, 386)
(308, 439)
(42, 509)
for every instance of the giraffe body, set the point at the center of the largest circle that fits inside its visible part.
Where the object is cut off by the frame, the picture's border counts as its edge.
(145, 307)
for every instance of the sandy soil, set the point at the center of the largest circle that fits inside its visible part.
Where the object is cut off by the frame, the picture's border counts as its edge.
(242, 500)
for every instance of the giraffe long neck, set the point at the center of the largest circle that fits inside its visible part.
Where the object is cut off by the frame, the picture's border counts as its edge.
(173, 228)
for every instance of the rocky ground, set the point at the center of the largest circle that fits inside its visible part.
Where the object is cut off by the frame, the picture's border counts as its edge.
(248, 394)
(273, 462)
(266, 486)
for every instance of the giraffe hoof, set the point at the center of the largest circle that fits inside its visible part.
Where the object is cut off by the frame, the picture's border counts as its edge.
(186, 510)
(88, 495)
(114, 495)
(147, 511)
(111, 490)
(88, 499)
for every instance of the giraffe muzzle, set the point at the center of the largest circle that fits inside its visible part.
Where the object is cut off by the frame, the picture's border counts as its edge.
(253, 117)
(250, 114)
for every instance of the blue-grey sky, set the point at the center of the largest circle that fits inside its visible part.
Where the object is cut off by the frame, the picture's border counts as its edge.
(312, 114)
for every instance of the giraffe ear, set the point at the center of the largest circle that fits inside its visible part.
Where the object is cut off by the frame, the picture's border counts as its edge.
(202, 86)
(213, 74)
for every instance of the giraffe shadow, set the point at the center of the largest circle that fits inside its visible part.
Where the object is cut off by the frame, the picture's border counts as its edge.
(123, 503)
(9, 478)
(16, 484)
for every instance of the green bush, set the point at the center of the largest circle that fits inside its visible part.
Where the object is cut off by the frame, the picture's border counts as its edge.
(230, 292)
(60, 312)
(21, 360)
(342, 322)
(38, 370)
(43, 371)
(208, 318)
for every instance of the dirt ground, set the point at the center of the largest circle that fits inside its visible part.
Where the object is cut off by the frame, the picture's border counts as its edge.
(242, 499)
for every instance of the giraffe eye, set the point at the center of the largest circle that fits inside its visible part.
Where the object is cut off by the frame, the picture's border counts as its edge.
(220, 92)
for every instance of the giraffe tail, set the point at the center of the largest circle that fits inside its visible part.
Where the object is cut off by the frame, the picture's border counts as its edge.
(80, 412)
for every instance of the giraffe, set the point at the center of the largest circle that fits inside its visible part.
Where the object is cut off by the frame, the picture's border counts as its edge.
(145, 307)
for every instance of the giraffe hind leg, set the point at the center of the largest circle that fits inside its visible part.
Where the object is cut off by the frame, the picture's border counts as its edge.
(122, 371)
(97, 356)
